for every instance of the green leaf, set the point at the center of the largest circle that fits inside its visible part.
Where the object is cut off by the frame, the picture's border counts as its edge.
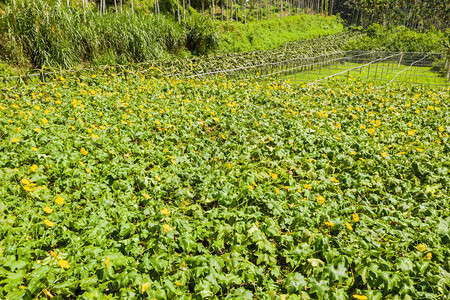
(320, 288)
(295, 283)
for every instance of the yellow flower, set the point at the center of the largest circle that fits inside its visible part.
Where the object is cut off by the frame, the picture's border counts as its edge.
(307, 186)
(145, 287)
(421, 247)
(107, 262)
(48, 210)
(49, 223)
(277, 191)
(360, 297)
(411, 132)
(146, 196)
(38, 129)
(384, 155)
(251, 187)
(353, 153)
(14, 140)
(34, 168)
(165, 211)
(299, 189)
(371, 130)
(349, 226)
(47, 293)
(419, 149)
(88, 171)
(83, 151)
(157, 178)
(178, 283)
(355, 217)
(338, 125)
(320, 199)
(25, 181)
(329, 224)
(124, 116)
(274, 176)
(44, 121)
(334, 180)
(63, 264)
(167, 227)
(441, 128)
(59, 200)
(216, 119)
(30, 187)
(34, 148)
(429, 255)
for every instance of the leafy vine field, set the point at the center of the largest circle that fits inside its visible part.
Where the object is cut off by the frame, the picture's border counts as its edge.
(144, 188)
(293, 50)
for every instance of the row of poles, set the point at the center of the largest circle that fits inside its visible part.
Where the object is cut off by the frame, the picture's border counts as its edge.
(305, 67)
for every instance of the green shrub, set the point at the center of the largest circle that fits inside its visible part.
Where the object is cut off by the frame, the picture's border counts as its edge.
(201, 35)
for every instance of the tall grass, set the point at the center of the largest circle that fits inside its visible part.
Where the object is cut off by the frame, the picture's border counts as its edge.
(38, 35)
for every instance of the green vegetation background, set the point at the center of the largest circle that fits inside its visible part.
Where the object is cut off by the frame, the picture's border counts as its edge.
(42, 34)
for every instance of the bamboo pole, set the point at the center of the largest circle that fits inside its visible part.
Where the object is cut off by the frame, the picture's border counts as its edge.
(84, 11)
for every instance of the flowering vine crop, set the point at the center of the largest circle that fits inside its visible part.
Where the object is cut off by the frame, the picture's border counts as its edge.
(238, 189)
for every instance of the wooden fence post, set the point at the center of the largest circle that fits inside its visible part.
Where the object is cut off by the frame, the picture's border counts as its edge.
(447, 67)
(400, 60)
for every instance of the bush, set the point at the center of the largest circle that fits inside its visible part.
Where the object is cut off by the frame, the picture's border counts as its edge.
(201, 35)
